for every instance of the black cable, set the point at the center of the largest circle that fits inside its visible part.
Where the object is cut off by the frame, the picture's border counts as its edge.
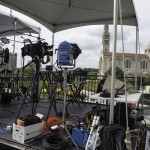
(54, 142)
(113, 137)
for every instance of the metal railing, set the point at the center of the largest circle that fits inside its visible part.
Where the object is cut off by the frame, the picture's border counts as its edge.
(90, 84)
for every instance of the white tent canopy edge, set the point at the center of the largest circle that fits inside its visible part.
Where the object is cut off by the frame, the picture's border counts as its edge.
(7, 25)
(58, 15)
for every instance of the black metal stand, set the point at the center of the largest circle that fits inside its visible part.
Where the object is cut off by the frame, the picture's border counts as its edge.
(35, 89)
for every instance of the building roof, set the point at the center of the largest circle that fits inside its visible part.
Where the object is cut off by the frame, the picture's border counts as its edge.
(131, 55)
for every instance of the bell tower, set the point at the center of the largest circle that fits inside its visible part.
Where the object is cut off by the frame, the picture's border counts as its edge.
(106, 39)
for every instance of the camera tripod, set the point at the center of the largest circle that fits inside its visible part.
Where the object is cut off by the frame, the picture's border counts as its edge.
(35, 90)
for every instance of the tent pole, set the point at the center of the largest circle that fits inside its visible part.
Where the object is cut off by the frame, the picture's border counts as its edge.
(115, 22)
(14, 47)
(53, 36)
(137, 30)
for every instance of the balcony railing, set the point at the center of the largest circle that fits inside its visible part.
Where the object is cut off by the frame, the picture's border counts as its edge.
(90, 84)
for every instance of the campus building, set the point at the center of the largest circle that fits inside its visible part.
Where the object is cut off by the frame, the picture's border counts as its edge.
(105, 62)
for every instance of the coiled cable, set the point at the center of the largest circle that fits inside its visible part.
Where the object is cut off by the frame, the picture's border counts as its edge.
(54, 142)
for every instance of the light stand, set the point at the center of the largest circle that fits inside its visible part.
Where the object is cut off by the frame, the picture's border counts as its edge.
(65, 92)
(14, 47)
(66, 56)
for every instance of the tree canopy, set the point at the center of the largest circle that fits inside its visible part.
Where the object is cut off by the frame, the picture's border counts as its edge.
(91, 71)
(29, 70)
(119, 72)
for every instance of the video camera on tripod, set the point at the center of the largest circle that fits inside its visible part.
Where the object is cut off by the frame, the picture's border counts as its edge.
(39, 49)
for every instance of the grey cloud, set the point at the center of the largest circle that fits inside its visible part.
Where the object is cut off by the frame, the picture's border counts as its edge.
(84, 39)
(88, 60)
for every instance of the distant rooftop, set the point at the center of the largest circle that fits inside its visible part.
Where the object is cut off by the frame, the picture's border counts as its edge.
(126, 55)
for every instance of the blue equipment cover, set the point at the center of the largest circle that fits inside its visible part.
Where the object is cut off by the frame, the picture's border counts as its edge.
(80, 136)
(65, 54)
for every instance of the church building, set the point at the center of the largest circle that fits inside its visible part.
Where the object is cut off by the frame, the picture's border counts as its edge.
(105, 62)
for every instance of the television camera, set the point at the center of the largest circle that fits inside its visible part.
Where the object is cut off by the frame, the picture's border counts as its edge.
(39, 49)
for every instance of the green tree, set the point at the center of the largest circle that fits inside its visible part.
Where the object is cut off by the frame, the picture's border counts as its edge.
(147, 80)
(77, 69)
(29, 70)
(91, 71)
(119, 72)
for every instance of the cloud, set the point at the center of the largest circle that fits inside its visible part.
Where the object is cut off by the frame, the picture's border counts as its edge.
(86, 37)
(88, 59)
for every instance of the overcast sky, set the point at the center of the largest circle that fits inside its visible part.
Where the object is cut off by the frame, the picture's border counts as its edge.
(89, 38)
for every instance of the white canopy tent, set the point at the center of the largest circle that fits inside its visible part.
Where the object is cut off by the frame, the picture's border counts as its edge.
(59, 15)
(7, 25)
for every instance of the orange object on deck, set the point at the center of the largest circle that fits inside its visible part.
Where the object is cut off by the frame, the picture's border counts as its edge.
(50, 122)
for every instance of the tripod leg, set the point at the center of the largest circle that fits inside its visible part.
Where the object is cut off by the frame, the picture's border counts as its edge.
(50, 90)
(35, 91)
(22, 95)
(71, 138)
(23, 102)
(52, 99)
(49, 109)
